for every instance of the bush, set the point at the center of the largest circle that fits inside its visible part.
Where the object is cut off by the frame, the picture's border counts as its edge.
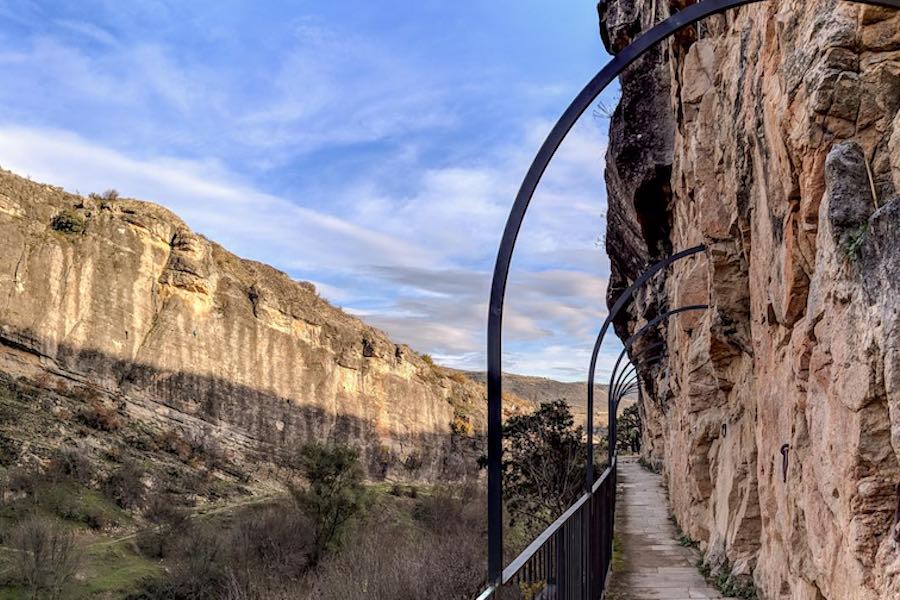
(461, 424)
(46, 558)
(68, 221)
(22, 480)
(544, 464)
(9, 451)
(262, 557)
(167, 522)
(198, 572)
(106, 199)
(126, 486)
(451, 508)
(98, 416)
(335, 493)
(70, 464)
(387, 563)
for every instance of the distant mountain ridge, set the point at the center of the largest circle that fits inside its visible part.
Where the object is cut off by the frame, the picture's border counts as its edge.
(543, 389)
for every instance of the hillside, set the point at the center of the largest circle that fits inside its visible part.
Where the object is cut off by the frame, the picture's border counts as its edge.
(115, 307)
(542, 389)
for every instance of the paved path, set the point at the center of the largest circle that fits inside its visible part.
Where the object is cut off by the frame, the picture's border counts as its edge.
(653, 566)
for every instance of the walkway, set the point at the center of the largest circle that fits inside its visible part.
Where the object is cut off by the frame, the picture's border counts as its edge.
(653, 566)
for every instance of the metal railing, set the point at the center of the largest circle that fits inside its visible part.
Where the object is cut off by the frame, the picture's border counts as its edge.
(572, 557)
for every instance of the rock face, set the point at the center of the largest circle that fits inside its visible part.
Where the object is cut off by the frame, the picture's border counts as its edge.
(772, 134)
(120, 298)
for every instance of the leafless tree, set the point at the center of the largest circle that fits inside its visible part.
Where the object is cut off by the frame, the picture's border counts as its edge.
(46, 558)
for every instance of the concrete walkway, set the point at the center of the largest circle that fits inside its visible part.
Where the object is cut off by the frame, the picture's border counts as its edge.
(652, 564)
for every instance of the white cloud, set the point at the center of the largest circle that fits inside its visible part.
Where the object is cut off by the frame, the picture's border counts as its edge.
(252, 223)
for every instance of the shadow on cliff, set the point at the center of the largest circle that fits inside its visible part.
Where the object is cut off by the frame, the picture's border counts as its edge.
(257, 425)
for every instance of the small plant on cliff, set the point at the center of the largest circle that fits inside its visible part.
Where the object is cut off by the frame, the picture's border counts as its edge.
(97, 415)
(334, 496)
(68, 221)
(461, 424)
(855, 240)
(543, 466)
(731, 586)
(106, 198)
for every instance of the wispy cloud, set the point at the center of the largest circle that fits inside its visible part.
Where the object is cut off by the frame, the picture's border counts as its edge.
(251, 222)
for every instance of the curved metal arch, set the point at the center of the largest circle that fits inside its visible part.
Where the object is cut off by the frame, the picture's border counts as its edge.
(582, 102)
(628, 343)
(632, 368)
(632, 387)
(629, 387)
(623, 299)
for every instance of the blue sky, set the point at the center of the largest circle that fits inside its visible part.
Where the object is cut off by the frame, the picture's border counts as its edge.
(372, 148)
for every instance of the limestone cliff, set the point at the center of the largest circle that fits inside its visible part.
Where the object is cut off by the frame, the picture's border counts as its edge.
(772, 134)
(118, 301)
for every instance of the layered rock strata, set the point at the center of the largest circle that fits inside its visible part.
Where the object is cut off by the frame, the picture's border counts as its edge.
(772, 134)
(119, 301)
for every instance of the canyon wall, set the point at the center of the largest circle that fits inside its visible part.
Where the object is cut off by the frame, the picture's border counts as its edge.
(117, 301)
(771, 134)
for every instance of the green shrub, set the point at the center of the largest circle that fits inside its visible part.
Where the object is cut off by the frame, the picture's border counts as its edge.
(543, 464)
(335, 494)
(68, 221)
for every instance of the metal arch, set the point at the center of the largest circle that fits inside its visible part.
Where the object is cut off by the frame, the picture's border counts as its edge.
(620, 303)
(628, 343)
(632, 368)
(582, 102)
(631, 387)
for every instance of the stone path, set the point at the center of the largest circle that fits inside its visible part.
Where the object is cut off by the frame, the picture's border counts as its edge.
(653, 565)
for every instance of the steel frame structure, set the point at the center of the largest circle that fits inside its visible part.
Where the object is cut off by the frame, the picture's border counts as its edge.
(649, 326)
(646, 41)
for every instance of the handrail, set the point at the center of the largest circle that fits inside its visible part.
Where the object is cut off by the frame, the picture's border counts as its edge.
(541, 539)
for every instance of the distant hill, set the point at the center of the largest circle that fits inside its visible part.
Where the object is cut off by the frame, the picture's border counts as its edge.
(542, 389)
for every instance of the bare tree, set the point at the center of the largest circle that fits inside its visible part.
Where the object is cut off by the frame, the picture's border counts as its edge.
(46, 558)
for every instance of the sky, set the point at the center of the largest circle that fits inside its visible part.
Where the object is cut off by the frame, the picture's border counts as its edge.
(372, 148)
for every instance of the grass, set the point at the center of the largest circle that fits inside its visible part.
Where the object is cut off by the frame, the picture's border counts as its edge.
(729, 585)
(108, 570)
(76, 505)
(617, 560)
(681, 537)
(115, 569)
